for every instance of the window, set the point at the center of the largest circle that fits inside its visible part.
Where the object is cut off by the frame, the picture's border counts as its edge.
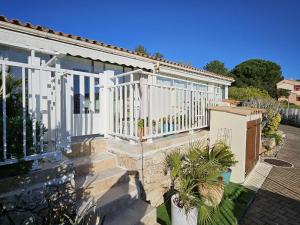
(76, 63)
(76, 94)
(97, 100)
(298, 99)
(297, 88)
(116, 68)
(98, 67)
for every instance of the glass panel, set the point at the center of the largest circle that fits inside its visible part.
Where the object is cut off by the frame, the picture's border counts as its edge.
(164, 81)
(116, 68)
(76, 87)
(97, 90)
(179, 83)
(98, 67)
(86, 95)
(14, 54)
(76, 63)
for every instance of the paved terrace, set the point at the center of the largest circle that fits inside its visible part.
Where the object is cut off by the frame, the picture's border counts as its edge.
(278, 200)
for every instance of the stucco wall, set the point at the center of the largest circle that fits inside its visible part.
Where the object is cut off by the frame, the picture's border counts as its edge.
(236, 126)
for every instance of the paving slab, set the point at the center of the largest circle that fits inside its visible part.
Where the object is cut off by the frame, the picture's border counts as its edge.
(278, 199)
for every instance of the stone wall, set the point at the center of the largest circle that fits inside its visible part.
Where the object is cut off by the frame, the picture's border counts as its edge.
(150, 167)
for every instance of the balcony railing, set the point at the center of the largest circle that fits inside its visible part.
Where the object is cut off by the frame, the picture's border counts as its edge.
(142, 107)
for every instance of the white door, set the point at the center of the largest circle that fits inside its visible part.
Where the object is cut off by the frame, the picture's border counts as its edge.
(84, 94)
(86, 117)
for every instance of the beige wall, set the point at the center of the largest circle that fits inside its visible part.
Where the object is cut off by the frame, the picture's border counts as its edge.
(285, 86)
(237, 126)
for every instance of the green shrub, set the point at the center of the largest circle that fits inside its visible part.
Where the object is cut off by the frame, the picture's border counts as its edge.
(273, 124)
(284, 105)
(271, 117)
(276, 135)
(247, 93)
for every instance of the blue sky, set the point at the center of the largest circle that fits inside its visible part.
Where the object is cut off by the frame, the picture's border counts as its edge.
(189, 31)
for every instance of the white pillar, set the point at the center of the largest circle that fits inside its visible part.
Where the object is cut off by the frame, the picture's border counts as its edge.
(225, 92)
(34, 96)
(105, 101)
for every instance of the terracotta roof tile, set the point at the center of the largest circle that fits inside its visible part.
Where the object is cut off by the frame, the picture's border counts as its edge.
(41, 28)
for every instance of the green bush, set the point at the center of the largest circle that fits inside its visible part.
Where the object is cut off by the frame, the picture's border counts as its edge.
(273, 125)
(271, 117)
(284, 105)
(276, 135)
(247, 93)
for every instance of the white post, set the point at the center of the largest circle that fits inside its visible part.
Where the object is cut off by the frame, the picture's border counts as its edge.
(57, 106)
(68, 95)
(105, 83)
(4, 110)
(34, 97)
(226, 92)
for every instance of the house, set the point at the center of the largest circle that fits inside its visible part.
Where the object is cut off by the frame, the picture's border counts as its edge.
(294, 87)
(102, 99)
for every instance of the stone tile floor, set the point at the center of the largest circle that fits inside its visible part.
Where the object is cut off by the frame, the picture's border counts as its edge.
(278, 200)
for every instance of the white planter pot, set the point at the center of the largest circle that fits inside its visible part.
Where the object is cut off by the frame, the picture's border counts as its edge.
(179, 217)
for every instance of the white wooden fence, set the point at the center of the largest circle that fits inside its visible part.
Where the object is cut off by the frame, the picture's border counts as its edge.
(291, 116)
(47, 100)
(125, 103)
(139, 102)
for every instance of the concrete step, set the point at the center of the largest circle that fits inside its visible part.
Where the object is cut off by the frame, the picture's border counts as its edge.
(114, 199)
(93, 163)
(88, 147)
(139, 213)
(94, 184)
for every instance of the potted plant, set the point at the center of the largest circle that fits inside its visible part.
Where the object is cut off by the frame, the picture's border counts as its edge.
(140, 124)
(185, 201)
(222, 153)
(208, 175)
(196, 184)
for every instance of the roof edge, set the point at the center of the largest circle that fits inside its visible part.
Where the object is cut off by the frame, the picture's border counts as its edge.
(115, 48)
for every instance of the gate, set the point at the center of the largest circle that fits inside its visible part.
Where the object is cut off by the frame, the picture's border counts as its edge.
(252, 144)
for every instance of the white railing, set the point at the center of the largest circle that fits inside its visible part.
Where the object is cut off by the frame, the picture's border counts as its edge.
(142, 107)
(45, 96)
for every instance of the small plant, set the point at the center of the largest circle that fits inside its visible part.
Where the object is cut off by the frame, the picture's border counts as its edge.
(277, 136)
(140, 123)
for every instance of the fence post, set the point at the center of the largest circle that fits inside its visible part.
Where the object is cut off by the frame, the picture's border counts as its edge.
(106, 101)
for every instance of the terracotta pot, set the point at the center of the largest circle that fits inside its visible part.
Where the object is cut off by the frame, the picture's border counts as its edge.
(142, 132)
(212, 194)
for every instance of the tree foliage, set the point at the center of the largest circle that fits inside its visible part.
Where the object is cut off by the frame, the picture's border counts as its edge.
(184, 63)
(258, 73)
(141, 49)
(283, 93)
(217, 67)
(158, 55)
(247, 93)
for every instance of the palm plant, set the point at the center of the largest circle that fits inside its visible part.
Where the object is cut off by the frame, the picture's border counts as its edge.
(188, 172)
(222, 154)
